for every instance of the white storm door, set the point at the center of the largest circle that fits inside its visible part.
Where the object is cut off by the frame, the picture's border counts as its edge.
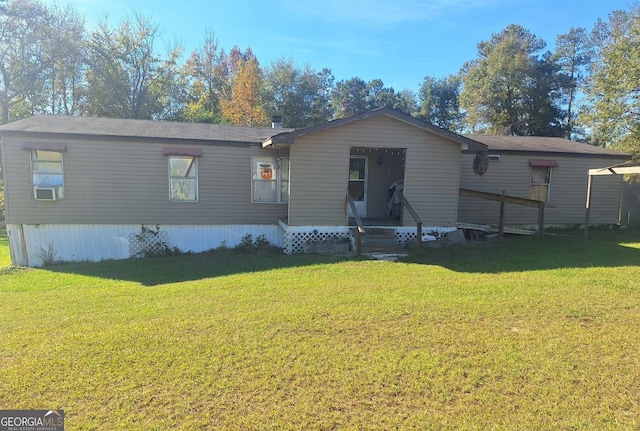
(358, 184)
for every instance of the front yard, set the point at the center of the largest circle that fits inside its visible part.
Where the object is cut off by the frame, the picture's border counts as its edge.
(5, 258)
(513, 334)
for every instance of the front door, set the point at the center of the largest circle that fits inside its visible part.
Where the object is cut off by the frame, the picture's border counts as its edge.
(358, 184)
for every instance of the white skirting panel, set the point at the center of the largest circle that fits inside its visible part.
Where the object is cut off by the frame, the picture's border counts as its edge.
(98, 242)
(16, 245)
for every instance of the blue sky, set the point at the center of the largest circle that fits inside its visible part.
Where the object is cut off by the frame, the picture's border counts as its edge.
(398, 41)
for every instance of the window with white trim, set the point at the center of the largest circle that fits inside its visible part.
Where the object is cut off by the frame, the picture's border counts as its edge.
(540, 183)
(183, 178)
(47, 175)
(269, 180)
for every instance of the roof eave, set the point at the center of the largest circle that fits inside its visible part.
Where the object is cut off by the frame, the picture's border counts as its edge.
(282, 139)
(558, 153)
(108, 137)
(466, 143)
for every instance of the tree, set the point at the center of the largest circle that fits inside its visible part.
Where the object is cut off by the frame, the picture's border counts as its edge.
(542, 115)
(107, 79)
(23, 62)
(355, 96)
(349, 97)
(573, 54)
(299, 95)
(439, 103)
(126, 78)
(244, 107)
(205, 75)
(171, 85)
(229, 65)
(65, 50)
(502, 89)
(322, 108)
(612, 89)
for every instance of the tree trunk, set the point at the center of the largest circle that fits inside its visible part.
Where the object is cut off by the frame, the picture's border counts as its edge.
(5, 112)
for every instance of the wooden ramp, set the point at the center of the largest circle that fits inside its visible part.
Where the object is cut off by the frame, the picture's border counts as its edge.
(505, 199)
(487, 228)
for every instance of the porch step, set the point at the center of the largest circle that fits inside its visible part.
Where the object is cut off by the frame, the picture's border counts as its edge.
(379, 231)
(379, 240)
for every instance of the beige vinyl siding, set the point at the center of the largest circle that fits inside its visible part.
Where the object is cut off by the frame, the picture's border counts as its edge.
(125, 182)
(567, 193)
(319, 171)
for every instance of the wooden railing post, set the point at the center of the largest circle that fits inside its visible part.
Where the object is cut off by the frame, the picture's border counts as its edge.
(416, 218)
(360, 225)
(541, 220)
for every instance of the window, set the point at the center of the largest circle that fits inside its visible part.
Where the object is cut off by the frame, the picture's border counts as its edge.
(269, 180)
(183, 178)
(494, 157)
(539, 187)
(47, 175)
(540, 183)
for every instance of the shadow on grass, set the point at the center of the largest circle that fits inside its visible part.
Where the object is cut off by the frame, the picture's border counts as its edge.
(563, 249)
(154, 271)
(511, 254)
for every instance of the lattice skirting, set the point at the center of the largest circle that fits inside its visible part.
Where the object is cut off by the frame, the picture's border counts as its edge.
(406, 234)
(295, 238)
(148, 243)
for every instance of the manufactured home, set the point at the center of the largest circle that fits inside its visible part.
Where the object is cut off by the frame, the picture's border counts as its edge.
(83, 188)
(552, 170)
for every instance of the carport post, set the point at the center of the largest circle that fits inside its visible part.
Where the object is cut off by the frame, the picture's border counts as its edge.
(588, 208)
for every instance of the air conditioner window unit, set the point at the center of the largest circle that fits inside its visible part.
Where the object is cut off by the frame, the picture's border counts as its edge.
(45, 194)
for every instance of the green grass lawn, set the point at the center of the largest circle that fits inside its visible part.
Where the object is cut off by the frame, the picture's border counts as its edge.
(518, 334)
(5, 257)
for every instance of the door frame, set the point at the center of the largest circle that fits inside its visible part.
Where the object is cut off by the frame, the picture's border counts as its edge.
(361, 206)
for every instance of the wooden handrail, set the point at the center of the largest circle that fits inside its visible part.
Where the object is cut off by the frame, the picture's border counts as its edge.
(415, 217)
(354, 210)
(359, 224)
(410, 209)
(498, 197)
(503, 198)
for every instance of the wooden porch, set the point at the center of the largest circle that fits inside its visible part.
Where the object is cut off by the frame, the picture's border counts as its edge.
(359, 228)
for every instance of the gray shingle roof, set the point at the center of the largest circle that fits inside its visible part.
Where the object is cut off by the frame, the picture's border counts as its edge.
(91, 126)
(145, 129)
(539, 144)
